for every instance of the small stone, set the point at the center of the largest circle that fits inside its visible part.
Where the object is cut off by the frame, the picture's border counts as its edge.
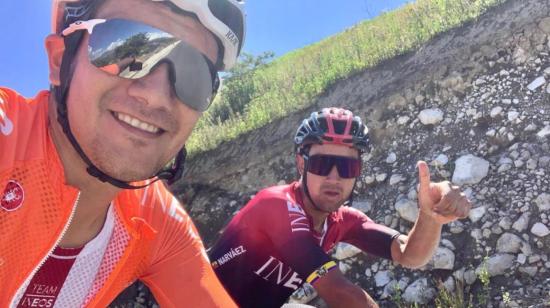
(392, 157)
(430, 116)
(470, 169)
(345, 250)
(512, 115)
(509, 243)
(440, 160)
(496, 111)
(381, 177)
(419, 292)
(382, 278)
(540, 230)
(544, 132)
(443, 258)
(529, 270)
(396, 178)
(543, 202)
(407, 209)
(476, 213)
(403, 120)
(504, 168)
(536, 83)
(497, 264)
(521, 258)
(369, 179)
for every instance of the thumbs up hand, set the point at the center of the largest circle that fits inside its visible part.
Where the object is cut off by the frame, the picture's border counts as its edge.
(441, 201)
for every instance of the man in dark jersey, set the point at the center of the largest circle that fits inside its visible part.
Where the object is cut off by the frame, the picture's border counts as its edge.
(280, 239)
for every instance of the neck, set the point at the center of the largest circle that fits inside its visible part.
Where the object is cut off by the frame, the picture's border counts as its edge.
(316, 215)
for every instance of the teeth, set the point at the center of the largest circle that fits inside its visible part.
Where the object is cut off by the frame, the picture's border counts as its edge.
(137, 123)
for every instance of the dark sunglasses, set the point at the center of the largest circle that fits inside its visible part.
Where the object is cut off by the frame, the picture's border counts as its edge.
(130, 49)
(347, 167)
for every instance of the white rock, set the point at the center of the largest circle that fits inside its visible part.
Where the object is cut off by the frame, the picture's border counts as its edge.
(509, 243)
(430, 116)
(522, 222)
(446, 243)
(470, 276)
(470, 169)
(440, 160)
(531, 127)
(543, 202)
(529, 270)
(392, 157)
(521, 258)
(419, 292)
(344, 267)
(369, 179)
(497, 264)
(368, 272)
(540, 230)
(381, 177)
(407, 209)
(504, 168)
(396, 178)
(403, 120)
(544, 132)
(495, 111)
(382, 278)
(536, 83)
(443, 258)
(345, 250)
(512, 115)
(476, 213)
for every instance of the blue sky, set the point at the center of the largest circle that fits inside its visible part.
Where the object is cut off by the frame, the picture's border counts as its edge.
(278, 26)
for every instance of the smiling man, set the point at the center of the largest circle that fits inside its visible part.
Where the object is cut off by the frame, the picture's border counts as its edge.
(281, 238)
(82, 213)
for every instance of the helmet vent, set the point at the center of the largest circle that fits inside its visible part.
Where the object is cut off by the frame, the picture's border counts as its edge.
(339, 127)
(323, 124)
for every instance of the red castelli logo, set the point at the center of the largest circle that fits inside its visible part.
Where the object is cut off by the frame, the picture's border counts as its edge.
(13, 196)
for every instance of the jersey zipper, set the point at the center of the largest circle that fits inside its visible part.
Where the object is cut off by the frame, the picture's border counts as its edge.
(36, 269)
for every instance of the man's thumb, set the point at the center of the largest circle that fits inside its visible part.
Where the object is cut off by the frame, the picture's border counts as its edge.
(423, 178)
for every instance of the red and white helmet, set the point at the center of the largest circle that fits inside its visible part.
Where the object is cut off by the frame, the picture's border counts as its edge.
(224, 18)
(333, 126)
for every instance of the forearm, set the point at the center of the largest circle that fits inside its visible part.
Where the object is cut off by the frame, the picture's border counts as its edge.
(422, 241)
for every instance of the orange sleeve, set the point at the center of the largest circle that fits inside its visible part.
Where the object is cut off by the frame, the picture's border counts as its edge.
(180, 274)
(22, 127)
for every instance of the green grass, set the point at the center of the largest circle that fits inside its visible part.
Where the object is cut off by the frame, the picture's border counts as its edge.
(293, 81)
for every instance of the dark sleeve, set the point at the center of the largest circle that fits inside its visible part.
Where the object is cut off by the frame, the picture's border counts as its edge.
(364, 233)
(288, 229)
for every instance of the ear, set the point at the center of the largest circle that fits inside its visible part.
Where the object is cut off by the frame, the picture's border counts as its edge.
(300, 164)
(55, 46)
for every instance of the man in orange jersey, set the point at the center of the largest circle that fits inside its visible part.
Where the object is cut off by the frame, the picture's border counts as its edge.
(82, 213)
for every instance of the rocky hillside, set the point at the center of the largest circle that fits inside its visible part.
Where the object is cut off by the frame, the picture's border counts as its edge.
(475, 104)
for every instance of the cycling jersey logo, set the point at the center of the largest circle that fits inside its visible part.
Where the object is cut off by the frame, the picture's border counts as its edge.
(6, 125)
(13, 196)
(232, 253)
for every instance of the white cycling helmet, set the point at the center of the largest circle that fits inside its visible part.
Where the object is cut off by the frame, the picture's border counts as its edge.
(224, 18)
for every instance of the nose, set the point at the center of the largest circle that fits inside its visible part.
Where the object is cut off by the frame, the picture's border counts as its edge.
(333, 174)
(155, 88)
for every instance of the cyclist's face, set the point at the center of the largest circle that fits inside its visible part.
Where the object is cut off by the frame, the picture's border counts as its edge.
(331, 191)
(132, 128)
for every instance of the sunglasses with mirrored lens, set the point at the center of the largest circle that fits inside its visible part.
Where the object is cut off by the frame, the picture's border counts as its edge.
(321, 165)
(131, 50)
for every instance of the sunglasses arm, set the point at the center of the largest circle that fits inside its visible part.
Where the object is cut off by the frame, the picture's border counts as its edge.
(82, 25)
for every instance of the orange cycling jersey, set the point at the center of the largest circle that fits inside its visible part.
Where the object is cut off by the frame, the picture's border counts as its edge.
(153, 240)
